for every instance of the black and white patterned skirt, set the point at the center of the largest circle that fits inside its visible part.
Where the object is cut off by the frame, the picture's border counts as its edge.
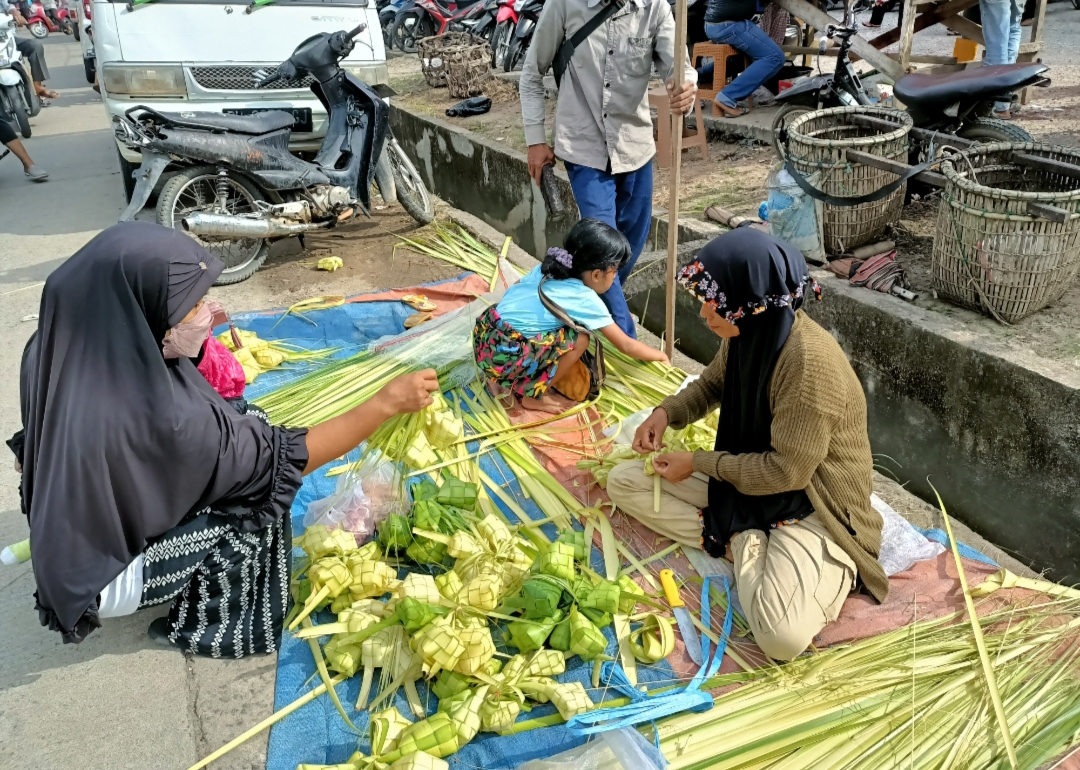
(229, 588)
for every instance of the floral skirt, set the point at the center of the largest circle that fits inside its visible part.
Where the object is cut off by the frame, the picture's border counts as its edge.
(523, 365)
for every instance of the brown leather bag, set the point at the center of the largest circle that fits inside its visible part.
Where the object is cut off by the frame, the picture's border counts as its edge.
(587, 377)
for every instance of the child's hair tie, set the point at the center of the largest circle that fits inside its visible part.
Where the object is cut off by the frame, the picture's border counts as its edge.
(562, 256)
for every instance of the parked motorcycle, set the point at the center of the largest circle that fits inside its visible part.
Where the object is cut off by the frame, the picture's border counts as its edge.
(40, 24)
(506, 19)
(418, 19)
(238, 188)
(423, 18)
(956, 104)
(528, 12)
(388, 12)
(17, 96)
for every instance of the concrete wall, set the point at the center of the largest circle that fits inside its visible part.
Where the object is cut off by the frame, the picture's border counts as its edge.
(999, 438)
(483, 178)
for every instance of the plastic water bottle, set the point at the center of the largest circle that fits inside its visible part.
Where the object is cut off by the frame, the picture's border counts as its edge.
(763, 211)
(16, 553)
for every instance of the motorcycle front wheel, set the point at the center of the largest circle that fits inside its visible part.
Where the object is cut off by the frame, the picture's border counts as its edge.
(784, 118)
(411, 190)
(409, 29)
(39, 30)
(196, 189)
(500, 43)
(515, 54)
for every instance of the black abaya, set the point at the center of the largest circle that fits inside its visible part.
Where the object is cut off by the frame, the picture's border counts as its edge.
(122, 445)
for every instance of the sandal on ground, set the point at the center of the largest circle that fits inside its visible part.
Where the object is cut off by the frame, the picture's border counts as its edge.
(159, 632)
(871, 26)
(740, 111)
(36, 174)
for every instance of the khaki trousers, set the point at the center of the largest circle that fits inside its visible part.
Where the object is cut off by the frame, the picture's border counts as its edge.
(790, 583)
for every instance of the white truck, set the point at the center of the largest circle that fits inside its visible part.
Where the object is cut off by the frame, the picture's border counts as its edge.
(203, 56)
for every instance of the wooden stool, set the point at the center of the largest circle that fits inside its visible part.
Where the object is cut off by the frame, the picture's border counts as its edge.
(719, 54)
(658, 98)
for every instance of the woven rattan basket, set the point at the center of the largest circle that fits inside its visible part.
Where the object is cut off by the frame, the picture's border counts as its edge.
(817, 142)
(990, 254)
(468, 68)
(433, 52)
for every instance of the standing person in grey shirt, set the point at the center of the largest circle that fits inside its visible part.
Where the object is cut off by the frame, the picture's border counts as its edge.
(603, 129)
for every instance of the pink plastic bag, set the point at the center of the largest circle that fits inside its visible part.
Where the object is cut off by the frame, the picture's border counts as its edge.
(221, 369)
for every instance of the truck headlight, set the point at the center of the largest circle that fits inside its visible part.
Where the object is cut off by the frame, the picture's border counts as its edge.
(144, 79)
(372, 74)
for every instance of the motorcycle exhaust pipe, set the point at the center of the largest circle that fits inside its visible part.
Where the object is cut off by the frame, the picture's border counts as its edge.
(227, 226)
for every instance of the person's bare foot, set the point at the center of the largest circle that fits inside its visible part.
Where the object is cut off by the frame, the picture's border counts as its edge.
(45, 93)
(502, 396)
(552, 403)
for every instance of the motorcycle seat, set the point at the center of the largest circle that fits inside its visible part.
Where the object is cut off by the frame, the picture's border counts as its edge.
(255, 124)
(931, 92)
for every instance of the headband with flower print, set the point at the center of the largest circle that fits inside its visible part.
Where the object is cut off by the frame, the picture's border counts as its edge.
(696, 279)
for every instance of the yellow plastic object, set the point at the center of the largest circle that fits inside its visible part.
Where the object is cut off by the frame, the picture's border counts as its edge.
(671, 591)
(329, 263)
(419, 302)
(965, 50)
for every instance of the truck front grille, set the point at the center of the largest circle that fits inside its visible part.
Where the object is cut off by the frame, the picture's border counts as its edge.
(232, 77)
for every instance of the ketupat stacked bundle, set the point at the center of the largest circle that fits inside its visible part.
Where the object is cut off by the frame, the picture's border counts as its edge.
(440, 626)
(256, 355)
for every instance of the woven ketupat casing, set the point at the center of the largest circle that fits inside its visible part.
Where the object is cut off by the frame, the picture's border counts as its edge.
(990, 253)
(818, 143)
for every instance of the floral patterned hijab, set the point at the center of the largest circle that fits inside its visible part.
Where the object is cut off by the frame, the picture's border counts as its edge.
(756, 282)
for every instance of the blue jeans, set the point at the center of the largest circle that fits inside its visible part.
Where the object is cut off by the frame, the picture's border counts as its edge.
(623, 201)
(748, 37)
(1001, 32)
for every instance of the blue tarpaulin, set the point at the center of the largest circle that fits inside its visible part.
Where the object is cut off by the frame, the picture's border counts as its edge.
(316, 733)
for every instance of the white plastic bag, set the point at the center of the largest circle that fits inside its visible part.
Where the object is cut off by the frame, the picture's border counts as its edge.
(363, 498)
(901, 544)
(793, 215)
(624, 749)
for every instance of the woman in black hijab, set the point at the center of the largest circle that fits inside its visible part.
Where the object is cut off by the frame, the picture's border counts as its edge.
(785, 494)
(137, 473)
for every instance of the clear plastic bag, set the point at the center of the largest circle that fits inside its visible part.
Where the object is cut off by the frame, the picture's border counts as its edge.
(364, 497)
(624, 749)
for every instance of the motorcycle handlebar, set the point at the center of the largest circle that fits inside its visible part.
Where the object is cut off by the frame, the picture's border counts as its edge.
(353, 33)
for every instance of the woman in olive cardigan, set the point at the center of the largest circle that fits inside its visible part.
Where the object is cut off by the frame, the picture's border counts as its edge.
(786, 493)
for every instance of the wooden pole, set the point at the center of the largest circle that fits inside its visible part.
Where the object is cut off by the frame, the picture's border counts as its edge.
(907, 33)
(677, 123)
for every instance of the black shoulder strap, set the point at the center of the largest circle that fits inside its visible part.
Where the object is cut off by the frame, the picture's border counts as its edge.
(566, 50)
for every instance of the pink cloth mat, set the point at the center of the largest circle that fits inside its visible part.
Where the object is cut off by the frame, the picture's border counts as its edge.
(930, 589)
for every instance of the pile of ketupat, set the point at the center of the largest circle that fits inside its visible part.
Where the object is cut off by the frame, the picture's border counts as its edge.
(916, 697)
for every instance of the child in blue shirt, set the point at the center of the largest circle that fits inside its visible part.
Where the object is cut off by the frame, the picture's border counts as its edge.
(523, 348)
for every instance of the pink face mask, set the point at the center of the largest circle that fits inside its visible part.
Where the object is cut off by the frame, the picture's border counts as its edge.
(186, 339)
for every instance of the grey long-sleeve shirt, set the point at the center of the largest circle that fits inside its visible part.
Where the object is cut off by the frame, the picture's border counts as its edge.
(602, 114)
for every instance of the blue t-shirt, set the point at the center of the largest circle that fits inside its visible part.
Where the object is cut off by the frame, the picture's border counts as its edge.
(522, 309)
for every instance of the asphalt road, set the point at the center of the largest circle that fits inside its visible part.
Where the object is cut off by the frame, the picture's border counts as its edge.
(115, 701)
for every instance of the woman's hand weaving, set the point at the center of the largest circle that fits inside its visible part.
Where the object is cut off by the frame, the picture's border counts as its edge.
(674, 466)
(649, 436)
